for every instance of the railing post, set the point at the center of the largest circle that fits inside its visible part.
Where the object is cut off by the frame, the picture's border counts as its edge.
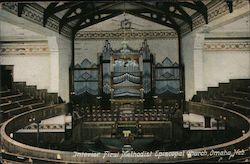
(38, 134)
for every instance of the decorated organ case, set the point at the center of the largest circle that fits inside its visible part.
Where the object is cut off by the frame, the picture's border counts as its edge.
(86, 78)
(126, 73)
(105, 59)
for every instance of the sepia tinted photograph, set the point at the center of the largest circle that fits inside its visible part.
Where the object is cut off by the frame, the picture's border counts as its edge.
(124, 81)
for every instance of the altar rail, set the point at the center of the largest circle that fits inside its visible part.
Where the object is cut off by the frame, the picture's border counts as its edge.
(20, 151)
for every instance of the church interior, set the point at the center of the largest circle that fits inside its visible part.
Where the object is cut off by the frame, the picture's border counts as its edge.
(164, 81)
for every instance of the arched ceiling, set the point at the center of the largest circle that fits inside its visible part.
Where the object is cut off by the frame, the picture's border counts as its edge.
(82, 14)
(133, 23)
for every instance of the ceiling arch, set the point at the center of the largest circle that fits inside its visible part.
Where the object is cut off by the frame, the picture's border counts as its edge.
(79, 15)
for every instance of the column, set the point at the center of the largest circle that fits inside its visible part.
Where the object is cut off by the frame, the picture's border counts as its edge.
(54, 64)
(198, 62)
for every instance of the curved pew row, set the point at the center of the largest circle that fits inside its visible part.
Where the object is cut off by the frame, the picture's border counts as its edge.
(22, 98)
(16, 150)
(15, 103)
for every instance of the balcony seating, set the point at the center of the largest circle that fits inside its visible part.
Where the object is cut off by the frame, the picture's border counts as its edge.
(23, 98)
(234, 95)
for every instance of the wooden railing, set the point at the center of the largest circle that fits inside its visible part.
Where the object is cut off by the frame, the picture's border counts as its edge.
(17, 149)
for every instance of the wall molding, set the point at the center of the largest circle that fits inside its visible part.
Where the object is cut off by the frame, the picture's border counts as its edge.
(45, 126)
(32, 128)
(227, 46)
(129, 34)
(24, 48)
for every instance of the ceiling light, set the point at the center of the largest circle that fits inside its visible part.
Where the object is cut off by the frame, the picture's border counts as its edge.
(171, 8)
(87, 20)
(78, 10)
(154, 16)
(96, 17)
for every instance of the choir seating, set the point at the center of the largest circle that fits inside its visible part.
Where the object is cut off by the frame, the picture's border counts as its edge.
(94, 113)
